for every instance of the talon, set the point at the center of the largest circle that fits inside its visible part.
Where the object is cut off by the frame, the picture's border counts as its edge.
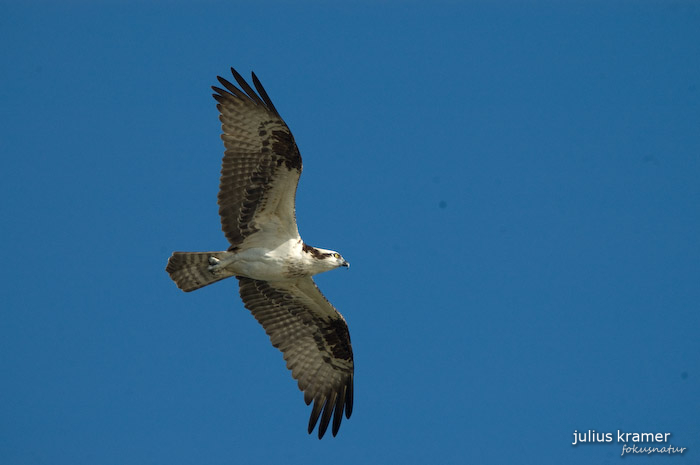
(213, 264)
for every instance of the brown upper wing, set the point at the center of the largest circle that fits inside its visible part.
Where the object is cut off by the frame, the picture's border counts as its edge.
(315, 342)
(261, 164)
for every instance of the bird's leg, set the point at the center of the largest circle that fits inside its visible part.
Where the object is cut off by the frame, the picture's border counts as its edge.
(214, 264)
(217, 265)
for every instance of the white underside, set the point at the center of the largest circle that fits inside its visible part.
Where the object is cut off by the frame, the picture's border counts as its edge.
(285, 262)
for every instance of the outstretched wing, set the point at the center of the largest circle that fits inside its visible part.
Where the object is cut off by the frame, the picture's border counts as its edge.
(261, 165)
(315, 342)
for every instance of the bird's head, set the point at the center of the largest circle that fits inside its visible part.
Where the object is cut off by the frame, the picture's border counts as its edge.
(339, 260)
(334, 259)
(327, 259)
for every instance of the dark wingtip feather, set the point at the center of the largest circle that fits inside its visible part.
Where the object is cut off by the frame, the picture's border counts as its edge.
(237, 76)
(327, 412)
(338, 411)
(261, 90)
(232, 90)
(247, 92)
(307, 396)
(221, 92)
(246, 88)
(315, 412)
(221, 95)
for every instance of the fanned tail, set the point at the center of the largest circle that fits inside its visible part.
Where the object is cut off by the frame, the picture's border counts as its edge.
(190, 270)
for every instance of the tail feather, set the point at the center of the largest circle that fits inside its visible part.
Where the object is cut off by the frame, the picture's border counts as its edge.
(190, 270)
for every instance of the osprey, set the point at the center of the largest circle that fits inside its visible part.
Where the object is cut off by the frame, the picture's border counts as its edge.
(274, 267)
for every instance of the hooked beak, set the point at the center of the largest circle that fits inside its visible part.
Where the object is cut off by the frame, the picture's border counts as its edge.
(345, 263)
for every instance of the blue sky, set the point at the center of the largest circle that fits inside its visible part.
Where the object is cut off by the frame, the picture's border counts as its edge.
(516, 186)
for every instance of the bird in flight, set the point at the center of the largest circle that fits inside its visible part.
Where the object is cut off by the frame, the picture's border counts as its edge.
(274, 267)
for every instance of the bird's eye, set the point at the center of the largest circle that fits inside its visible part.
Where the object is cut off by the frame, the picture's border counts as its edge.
(336, 255)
